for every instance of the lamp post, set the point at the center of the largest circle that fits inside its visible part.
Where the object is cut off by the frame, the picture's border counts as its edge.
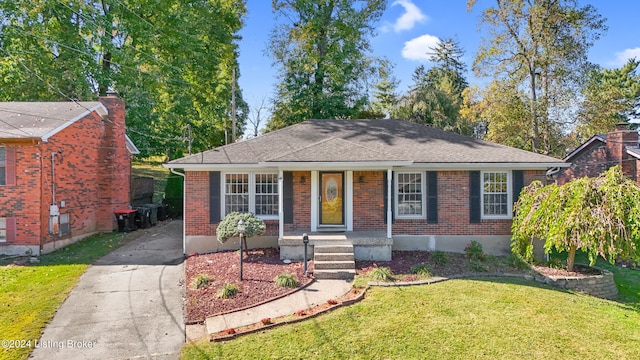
(241, 228)
(305, 241)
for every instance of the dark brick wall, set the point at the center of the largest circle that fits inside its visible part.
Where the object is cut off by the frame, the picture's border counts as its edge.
(92, 172)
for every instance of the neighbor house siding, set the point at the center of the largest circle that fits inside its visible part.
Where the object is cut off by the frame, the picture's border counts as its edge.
(92, 179)
(22, 200)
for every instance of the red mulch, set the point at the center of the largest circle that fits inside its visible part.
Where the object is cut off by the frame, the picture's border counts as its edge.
(259, 268)
(579, 271)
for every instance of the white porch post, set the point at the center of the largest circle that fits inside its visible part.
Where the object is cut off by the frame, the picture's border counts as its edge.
(389, 204)
(280, 204)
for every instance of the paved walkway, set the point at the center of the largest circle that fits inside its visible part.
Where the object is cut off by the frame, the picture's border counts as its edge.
(128, 305)
(315, 294)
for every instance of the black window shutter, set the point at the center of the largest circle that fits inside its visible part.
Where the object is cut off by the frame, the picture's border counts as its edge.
(474, 197)
(432, 197)
(518, 183)
(214, 197)
(287, 197)
(386, 196)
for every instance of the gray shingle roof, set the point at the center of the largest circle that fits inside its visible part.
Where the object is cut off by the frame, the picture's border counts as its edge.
(363, 141)
(23, 120)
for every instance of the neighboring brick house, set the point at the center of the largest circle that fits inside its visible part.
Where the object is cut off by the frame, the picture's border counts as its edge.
(64, 168)
(601, 152)
(379, 184)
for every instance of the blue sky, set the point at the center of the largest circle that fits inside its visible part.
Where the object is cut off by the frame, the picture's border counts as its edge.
(408, 27)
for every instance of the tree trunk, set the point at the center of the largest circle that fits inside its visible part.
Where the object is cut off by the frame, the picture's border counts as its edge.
(571, 258)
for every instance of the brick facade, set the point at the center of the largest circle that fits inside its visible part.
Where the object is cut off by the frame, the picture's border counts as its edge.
(92, 179)
(368, 206)
(602, 153)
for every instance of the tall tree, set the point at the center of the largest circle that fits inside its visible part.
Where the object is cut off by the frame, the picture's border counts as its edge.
(542, 45)
(436, 94)
(385, 97)
(611, 95)
(322, 50)
(170, 60)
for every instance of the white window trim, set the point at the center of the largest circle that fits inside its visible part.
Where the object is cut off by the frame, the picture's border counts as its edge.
(252, 192)
(396, 195)
(509, 214)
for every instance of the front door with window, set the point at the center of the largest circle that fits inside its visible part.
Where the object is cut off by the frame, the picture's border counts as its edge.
(331, 198)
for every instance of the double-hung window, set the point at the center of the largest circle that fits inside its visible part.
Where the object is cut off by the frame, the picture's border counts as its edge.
(251, 192)
(496, 194)
(410, 195)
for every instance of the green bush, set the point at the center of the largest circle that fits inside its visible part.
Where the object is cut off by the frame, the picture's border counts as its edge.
(420, 269)
(440, 257)
(474, 251)
(286, 280)
(201, 281)
(228, 227)
(382, 274)
(227, 291)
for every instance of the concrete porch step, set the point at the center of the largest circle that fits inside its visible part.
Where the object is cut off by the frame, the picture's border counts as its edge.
(333, 256)
(333, 265)
(326, 247)
(344, 274)
(335, 261)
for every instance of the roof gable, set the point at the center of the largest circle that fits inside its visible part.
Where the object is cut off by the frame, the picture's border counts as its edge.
(28, 120)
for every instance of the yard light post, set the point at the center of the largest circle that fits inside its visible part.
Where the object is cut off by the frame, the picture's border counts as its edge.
(305, 241)
(241, 228)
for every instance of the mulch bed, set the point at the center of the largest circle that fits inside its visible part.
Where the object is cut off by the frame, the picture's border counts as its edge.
(259, 269)
(261, 266)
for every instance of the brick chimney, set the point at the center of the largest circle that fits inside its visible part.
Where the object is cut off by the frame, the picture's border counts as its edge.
(617, 142)
(114, 162)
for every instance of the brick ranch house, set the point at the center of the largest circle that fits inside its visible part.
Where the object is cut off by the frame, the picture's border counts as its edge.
(64, 168)
(601, 152)
(380, 185)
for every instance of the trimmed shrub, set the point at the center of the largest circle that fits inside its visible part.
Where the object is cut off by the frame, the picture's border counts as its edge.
(227, 291)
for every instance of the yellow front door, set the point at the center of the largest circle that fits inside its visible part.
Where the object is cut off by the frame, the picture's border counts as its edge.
(331, 195)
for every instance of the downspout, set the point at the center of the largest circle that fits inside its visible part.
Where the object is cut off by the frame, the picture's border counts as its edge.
(184, 203)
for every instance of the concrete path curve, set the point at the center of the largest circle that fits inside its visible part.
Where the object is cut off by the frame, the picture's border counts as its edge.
(128, 305)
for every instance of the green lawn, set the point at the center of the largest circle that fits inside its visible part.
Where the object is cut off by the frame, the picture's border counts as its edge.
(30, 295)
(457, 319)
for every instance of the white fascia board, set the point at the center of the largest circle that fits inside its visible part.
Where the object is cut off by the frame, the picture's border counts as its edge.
(133, 149)
(220, 167)
(337, 165)
(100, 109)
(484, 166)
(634, 154)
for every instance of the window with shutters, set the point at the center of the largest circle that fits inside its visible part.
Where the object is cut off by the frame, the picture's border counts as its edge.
(409, 195)
(496, 195)
(251, 192)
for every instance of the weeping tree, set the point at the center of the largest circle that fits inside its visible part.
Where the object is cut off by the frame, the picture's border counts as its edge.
(228, 227)
(599, 216)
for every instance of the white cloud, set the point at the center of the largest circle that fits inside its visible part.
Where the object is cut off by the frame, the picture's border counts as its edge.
(417, 49)
(411, 16)
(623, 56)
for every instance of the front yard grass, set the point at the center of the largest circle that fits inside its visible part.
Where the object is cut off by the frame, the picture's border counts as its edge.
(31, 294)
(458, 319)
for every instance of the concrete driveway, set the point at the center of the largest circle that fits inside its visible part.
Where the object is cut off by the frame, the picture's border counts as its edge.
(128, 305)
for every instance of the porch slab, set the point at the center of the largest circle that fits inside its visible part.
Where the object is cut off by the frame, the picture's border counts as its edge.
(368, 245)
